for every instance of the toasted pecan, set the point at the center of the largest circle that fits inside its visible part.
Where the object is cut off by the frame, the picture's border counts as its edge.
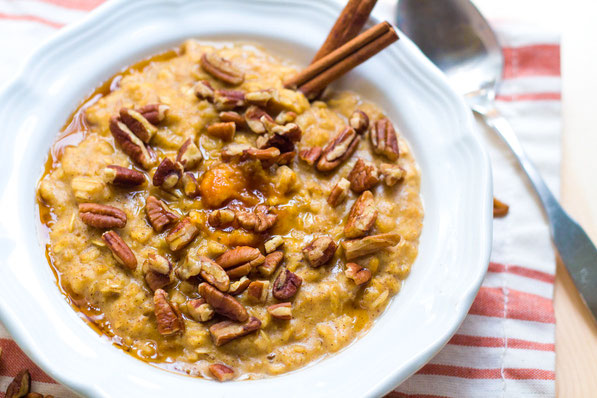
(102, 216)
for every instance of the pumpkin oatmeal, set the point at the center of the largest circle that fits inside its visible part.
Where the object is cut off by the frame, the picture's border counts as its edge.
(210, 221)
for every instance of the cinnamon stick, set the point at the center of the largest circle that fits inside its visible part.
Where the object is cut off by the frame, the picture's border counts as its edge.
(312, 80)
(347, 26)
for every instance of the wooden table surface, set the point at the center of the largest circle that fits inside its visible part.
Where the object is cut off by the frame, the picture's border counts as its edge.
(576, 330)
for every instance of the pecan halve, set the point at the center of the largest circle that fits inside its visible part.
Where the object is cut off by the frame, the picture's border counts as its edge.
(235, 117)
(268, 154)
(240, 271)
(234, 151)
(190, 185)
(384, 139)
(182, 234)
(339, 193)
(271, 263)
(310, 155)
(257, 291)
(157, 271)
(159, 215)
(213, 273)
(200, 310)
(223, 130)
(259, 220)
(239, 286)
(120, 250)
(189, 155)
(204, 90)
(167, 174)
(358, 274)
(281, 311)
(253, 119)
(363, 176)
(122, 176)
(154, 113)
(340, 148)
(221, 218)
(20, 385)
(221, 68)
(281, 137)
(221, 372)
(138, 124)
(320, 250)
(102, 216)
(131, 144)
(286, 284)
(370, 244)
(223, 304)
(239, 255)
(359, 121)
(362, 216)
(225, 100)
(226, 331)
(168, 317)
(392, 173)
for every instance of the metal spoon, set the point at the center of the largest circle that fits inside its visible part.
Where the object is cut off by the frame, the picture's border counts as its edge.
(456, 37)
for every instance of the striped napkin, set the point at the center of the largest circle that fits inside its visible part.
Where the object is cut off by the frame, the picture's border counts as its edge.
(505, 347)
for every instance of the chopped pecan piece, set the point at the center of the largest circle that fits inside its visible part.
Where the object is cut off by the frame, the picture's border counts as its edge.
(167, 174)
(285, 158)
(157, 271)
(259, 98)
(189, 155)
(199, 310)
(191, 266)
(240, 271)
(339, 193)
(273, 243)
(320, 251)
(168, 317)
(363, 176)
(121, 251)
(159, 215)
(281, 311)
(358, 274)
(271, 263)
(384, 139)
(257, 291)
(225, 100)
(212, 273)
(154, 113)
(122, 177)
(281, 137)
(204, 90)
(362, 216)
(138, 124)
(239, 286)
(131, 144)
(221, 372)
(311, 155)
(190, 185)
(182, 234)
(259, 220)
(234, 151)
(223, 304)
(226, 331)
(500, 209)
(223, 130)
(286, 284)
(257, 119)
(240, 255)
(340, 148)
(221, 68)
(19, 386)
(285, 117)
(102, 216)
(392, 173)
(359, 121)
(221, 218)
(262, 154)
(235, 117)
(370, 244)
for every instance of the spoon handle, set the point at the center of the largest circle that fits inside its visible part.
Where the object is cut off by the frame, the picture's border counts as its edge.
(576, 250)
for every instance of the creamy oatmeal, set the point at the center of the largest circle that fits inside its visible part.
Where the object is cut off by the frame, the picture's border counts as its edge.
(210, 221)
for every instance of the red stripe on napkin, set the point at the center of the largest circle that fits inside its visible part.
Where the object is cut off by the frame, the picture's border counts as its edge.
(530, 97)
(83, 5)
(14, 360)
(481, 341)
(535, 60)
(476, 373)
(31, 18)
(522, 271)
(492, 301)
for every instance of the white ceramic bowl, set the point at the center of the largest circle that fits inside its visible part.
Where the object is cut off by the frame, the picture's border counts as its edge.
(456, 190)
